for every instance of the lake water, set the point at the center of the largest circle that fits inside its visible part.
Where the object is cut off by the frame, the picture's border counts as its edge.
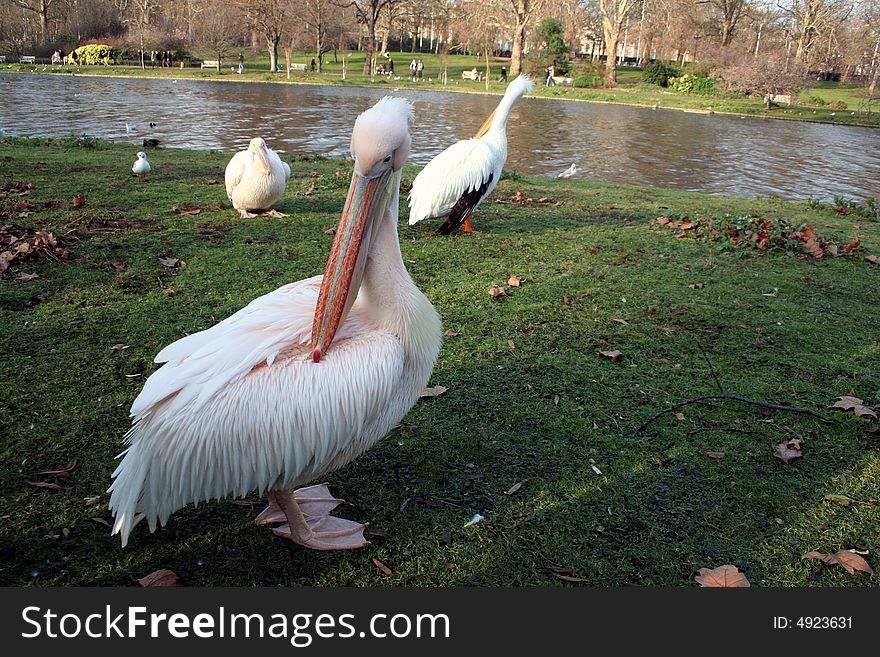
(720, 154)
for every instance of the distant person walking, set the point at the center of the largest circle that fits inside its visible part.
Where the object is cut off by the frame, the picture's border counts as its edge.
(503, 77)
(420, 67)
(240, 63)
(412, 70)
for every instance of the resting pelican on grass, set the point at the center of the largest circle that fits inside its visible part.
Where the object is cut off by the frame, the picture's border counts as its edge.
(299, 382)
(255, 180)
(141, 166)
(455, 182)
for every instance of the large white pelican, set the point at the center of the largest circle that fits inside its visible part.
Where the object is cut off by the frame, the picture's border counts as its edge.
(299, 382)
(455, 182)
(255, 180)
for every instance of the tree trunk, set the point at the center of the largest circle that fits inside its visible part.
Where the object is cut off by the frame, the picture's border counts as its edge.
(873, 86)
(520, 14)
(488, 70)
(319, 48)
(44, 21)
(272, 43)
(371, 47)
(612, 37)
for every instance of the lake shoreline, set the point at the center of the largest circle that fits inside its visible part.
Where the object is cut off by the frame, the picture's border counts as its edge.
(444, 88)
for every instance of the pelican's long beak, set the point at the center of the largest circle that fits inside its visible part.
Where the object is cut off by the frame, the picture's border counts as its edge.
(485, 127)
(368, 198)
(263, 161)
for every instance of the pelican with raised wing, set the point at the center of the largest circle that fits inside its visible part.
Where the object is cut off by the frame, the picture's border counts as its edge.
(299, 382)
(255, 180)
(454, 183)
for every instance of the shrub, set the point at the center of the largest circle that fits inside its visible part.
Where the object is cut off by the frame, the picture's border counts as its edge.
(96, 53)
(658, 73)
(583, 81)
(692, 84)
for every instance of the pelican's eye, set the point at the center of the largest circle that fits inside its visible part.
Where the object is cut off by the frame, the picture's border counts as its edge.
(387, 159)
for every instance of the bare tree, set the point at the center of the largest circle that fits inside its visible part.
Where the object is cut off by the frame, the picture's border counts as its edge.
(219, 30)
(522, 13)
(614, 13)
(368, 12)
(269, 18)
(45, 10)
(727, 14)
(137, 13)
(765, 76)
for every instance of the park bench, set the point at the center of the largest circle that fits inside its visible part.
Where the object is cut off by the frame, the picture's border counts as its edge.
(298, 67)
(211, 63)
(27, 59)
(563, 81)
(473, 74)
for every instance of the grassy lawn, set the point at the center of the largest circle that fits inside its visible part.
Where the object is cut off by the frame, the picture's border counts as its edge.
(630, 90)
(613, 504)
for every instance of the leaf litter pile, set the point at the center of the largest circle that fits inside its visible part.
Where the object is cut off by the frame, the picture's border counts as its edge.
(754, 233)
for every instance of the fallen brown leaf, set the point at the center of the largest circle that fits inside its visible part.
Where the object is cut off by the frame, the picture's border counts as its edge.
(622, 322)
(515, 487)
(65, 469)
(370, 532)
(855, 404)
(511, 344)
(834, 498)
(419, 500)
(715, 455)
(564, 574)
(381, 566)
(514, 281)
(613, 355)
(788, 450)
(497, 291)
(27, 277)
(169, 262)
(79, 200)
(450, 333)
(43, 484)
(848, 560)
(101, 521)
(118, 266)
(434, 391)
(726, 576)
(163, 577)
(849, 248)
(212, 181)
(679, 416)
(310, 189)
(872, 258)
(119, 347)
(697, 286)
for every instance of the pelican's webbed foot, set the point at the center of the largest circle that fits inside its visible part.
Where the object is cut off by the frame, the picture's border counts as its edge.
(308, 520)
(275, 213)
